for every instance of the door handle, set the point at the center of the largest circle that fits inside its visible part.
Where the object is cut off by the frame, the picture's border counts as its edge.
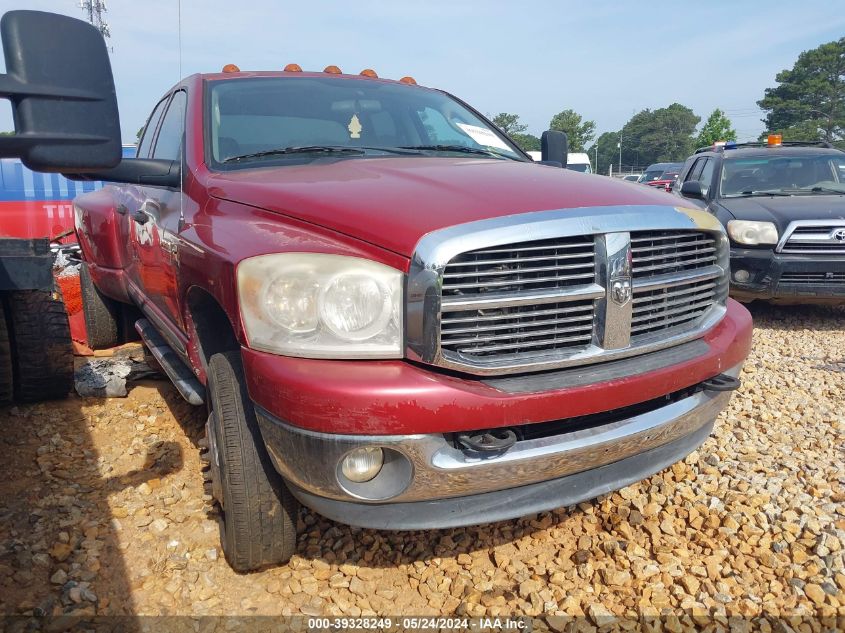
(141, 216)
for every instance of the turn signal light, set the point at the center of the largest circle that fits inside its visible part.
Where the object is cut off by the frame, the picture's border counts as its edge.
(369, 72)
(293, 68)
(408, 80)
(332, 70)
(231, 68)
(775, 139)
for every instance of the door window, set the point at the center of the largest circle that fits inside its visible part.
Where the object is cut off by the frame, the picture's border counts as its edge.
(702, 172)
(149, 130)
(706, 175)
(169, 140)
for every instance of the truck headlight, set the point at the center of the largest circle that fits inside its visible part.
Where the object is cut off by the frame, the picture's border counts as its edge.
(752, 233)
(317, 305)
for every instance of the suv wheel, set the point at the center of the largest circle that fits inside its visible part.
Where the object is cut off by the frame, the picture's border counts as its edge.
(102, 314)
(259, 513)
(42, 352)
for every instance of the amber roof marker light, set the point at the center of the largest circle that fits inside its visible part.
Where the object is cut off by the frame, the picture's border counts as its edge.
(408, 80)
(369, 72)
(231, 68)
(293, 68)
(332, 70)
(774, 140)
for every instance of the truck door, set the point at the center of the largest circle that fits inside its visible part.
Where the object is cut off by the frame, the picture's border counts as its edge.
(155, 223)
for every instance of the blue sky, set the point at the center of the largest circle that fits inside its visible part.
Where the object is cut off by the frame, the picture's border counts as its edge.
(606, 60)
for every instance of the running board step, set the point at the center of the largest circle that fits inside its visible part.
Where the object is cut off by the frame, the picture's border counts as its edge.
(179, 373)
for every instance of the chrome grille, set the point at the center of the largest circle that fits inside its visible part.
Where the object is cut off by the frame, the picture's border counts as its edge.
(813, 236)
(677, 306)
(575, 287)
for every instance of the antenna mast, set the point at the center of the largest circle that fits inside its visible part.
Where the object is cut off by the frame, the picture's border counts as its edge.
(94, 10)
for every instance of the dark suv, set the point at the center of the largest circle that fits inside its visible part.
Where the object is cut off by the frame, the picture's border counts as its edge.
(783, 206)
(661, 175)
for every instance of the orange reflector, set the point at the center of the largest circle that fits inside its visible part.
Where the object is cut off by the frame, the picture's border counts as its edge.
(775, 139)
(408, 80)
(231, 68)
(332, 70)
(369, 72)
(293, 68)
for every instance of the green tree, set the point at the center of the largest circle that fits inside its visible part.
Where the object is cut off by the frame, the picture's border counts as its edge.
(578, 131)
(509, 123)
(528, 142)
(809, 99)
(607, 151)
(653, 136)
(138, 134)
(716, 128)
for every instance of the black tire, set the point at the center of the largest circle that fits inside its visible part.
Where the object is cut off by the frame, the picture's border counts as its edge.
(6, 382)
(259, 512)
(42, 351)
(102, 314)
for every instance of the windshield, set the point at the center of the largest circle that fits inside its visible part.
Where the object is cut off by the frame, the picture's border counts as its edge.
(806, 173)
(654, 174)
(582, 167)
(300, 119)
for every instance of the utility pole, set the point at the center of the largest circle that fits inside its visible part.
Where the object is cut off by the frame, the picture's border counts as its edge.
(619, 145)
(94, 10)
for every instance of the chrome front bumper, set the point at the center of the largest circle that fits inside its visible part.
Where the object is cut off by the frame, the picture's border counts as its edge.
(429, 467)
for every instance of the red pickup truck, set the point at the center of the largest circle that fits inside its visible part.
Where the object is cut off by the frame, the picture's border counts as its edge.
(396, 317)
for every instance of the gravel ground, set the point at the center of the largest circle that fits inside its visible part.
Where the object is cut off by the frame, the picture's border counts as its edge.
(102, 512)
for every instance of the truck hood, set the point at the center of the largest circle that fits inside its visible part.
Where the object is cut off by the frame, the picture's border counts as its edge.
(393, 202)
(783, 210)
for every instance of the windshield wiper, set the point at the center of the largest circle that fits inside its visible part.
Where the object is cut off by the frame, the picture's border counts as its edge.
(750, 194)
(458, 148)
(822, 189)
(305, 149)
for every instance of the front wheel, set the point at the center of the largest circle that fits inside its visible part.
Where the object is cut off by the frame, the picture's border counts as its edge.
(259, 512)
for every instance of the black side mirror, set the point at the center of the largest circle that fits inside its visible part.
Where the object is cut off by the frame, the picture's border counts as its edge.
(154, 172)
(554, 147)
(692, 189)
(60, 85)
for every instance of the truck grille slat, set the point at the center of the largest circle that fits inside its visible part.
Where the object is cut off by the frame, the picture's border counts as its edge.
(489, 338)
(522, 271)
(583, 340)
(672, 293)
(674, 237)
(519, 260)
(688, 253)
(668, 322)
(660, 304)
(518, 280)
(665, 310)
(486, 328)
(579, 242)
(450, 320)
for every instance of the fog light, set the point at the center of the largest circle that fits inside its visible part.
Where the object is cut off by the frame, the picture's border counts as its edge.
(742, 275)
(362, 464)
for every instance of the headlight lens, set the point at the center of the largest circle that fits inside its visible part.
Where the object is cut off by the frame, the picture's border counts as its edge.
(752, 233)
(321, 306)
